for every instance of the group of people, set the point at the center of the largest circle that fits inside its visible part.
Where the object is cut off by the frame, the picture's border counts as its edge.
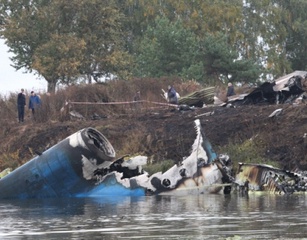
(34, 102)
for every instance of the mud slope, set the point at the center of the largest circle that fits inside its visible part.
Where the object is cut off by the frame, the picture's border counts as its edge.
(168, 133)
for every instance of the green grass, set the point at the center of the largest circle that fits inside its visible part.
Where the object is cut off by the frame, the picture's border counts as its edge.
(246, 152)
(158, 167)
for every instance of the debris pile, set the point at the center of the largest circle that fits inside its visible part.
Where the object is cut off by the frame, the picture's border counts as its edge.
(199, 98)
(261, 177)
(287, 89)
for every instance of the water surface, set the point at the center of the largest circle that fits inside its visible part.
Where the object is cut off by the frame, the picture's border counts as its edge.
(229, 217)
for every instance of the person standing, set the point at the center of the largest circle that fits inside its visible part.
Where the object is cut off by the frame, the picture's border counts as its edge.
(230, 90)
(137, 96)
(172, 95)
(34, 102)
(136, 100)
(21, 103)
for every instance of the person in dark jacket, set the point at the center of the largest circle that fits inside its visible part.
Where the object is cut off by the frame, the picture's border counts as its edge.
(137, 96)
(21, 103)
(136, 99)
(172, 95)
(230, 90)
(34, 102)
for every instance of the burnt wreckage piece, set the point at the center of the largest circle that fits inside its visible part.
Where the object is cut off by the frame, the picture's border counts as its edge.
(84, 165)
(266, 92)
(261, 177)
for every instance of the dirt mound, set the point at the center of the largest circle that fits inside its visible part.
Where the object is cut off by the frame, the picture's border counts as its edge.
(280, 138)
(168, 133)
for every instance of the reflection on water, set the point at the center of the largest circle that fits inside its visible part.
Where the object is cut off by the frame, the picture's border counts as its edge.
(157, 217)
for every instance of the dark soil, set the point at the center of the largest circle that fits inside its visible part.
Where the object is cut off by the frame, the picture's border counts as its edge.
(168, 133)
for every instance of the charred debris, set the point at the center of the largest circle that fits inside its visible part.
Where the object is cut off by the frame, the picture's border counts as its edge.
(261, 177)
(291, 88)
(84, 165)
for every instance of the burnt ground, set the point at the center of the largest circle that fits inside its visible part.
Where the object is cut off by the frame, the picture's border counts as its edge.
(168, 134)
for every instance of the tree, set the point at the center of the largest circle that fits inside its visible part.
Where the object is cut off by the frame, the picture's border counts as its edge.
(59, 59)
(223, 63)
(294, 21)
(263, 36)
(62, 40)
(167, 49)
(198, 16)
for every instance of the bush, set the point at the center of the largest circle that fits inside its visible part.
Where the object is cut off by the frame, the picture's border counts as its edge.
(158, 167)
(246, 152)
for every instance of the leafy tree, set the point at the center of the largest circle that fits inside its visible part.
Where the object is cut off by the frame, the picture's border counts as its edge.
(271, 32)
(62, 40)
(167, 49)
(198, 16)
(263, 35)
(60, 58)
(294, 21)
(222, 62)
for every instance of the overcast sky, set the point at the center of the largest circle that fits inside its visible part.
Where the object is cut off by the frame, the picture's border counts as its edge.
(12, 80)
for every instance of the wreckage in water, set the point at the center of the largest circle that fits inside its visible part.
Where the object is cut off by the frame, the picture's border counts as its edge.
(84, 165)
(261, 177)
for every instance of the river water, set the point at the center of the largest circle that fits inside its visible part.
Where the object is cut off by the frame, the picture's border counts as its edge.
(232, 217)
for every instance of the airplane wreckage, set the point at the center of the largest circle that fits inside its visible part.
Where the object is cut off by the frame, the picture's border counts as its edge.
(291, 88)
(84, 165)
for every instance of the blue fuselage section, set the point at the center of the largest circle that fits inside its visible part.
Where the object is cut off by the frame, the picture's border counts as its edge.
(59, 172)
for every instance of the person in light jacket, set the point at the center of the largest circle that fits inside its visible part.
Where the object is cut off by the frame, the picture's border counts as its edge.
(172, 95)
(34, 102)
